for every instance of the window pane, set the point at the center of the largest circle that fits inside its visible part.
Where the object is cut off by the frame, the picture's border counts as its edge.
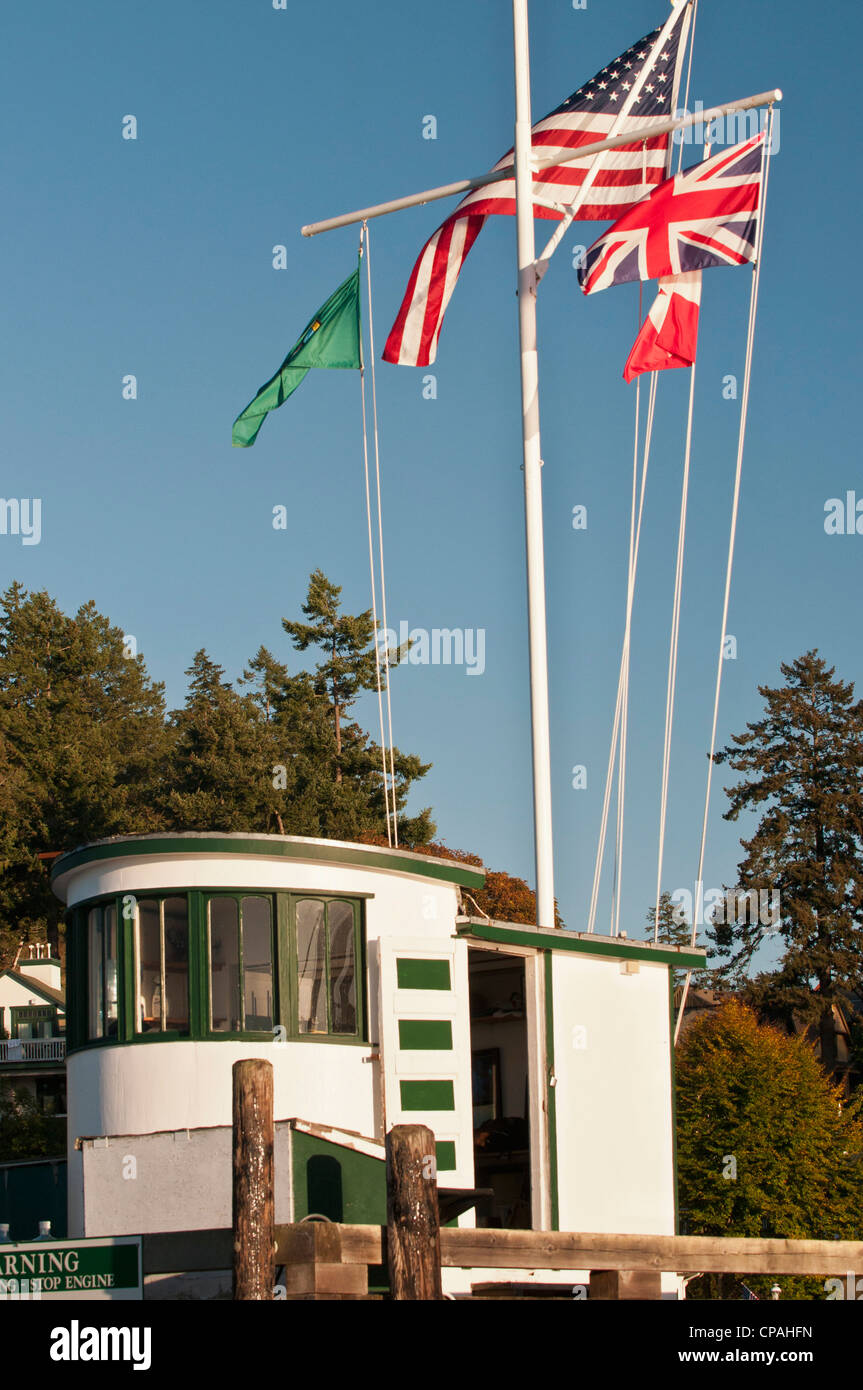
(224, 966)
(176, 936)
(343, 981)
(149, 1009)
(96, 996)
(110, 972)
(311, 967)
(257, 964)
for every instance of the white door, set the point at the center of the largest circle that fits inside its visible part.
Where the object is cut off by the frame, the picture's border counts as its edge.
(425, 1047)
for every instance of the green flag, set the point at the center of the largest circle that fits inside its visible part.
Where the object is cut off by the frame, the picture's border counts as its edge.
(331, 339)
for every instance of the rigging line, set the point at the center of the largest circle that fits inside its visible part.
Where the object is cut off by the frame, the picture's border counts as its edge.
(741, 440)
(688, 76)
(617, 882)
(673, 651)
(600, 851)
(373, 584)
(381, 534)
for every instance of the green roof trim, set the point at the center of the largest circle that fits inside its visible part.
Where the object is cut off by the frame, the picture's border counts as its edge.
(619, 948)
(269, 847)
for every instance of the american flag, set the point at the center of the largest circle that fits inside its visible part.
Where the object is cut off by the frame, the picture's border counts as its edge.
(637, 90)
(707, 216)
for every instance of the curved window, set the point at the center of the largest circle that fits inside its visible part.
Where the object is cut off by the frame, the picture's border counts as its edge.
(326, 967)
(162, 965)
(102, 957)
(241, 964)
(216, 963)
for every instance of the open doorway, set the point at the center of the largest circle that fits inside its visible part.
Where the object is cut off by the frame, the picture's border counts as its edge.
(499, 1066)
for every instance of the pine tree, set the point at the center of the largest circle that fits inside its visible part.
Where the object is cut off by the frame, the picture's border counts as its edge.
(224, 757)
(802, 767)
(81, 748)
(765, 1146)
(675, 930)
(356, 803)
(347, 643)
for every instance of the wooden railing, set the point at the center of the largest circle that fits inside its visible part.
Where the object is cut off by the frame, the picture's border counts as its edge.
(323, 1260)
(33, 1050)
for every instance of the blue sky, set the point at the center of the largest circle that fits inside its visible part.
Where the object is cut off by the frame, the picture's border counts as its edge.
(154, 257)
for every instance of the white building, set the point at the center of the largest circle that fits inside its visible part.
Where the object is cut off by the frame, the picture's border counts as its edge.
(542, 1060)
(32, 1028)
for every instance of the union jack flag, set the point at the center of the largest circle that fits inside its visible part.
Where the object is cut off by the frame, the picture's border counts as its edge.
(704, 217)
(636, 91)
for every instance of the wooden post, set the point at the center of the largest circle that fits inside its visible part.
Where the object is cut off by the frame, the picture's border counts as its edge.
(254, 1203)
(614, 1284)
(413, 1220)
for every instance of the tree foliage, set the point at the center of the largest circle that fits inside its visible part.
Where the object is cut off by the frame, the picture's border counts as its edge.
(802, 775)
(765, 1146)
(82, 747)
(25, 1130)
(87, 749)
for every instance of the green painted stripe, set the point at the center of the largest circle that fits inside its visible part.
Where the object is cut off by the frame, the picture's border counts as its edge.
(445, 1155)
(587, 944)
(422, 974)
(425, 1035)
(271, 847)
(427, 1095)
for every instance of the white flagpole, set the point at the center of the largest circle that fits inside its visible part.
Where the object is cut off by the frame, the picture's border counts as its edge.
(527, 283)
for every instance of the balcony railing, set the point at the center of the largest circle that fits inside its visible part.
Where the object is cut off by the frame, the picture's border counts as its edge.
(33, 1050)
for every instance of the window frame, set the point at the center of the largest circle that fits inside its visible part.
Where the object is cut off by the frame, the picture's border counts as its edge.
(236, 895)
(161, 896)
(358, 907)
(285, 968)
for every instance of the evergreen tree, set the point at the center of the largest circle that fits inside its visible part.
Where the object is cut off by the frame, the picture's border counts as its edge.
(224, 756)
(675, 930)
(765, 1147)
(347, 643)
(348, 777)
(82, 740)
(802, 767)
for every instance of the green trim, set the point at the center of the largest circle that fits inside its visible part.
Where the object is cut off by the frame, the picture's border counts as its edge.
(414, 973)
(551, 1094)
(671, 1021)
(270, 847)
(427, 1095)
(557, 940)
(445, 1155)
(425, 1035)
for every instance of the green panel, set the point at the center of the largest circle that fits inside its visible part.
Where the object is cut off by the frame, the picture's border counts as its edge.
(445, 1155)
(31, 1192)
(425, 1035)
(427, 1095)
(423, 974)
(361, 1195)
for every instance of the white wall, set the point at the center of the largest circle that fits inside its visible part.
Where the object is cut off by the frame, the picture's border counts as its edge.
(142, 1088)
(612, 1060)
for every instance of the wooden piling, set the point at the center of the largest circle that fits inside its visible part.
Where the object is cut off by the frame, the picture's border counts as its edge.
(413, 1219)
(253, 1188)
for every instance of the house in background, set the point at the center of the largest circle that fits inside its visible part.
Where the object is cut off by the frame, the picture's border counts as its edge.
(33, 1028)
